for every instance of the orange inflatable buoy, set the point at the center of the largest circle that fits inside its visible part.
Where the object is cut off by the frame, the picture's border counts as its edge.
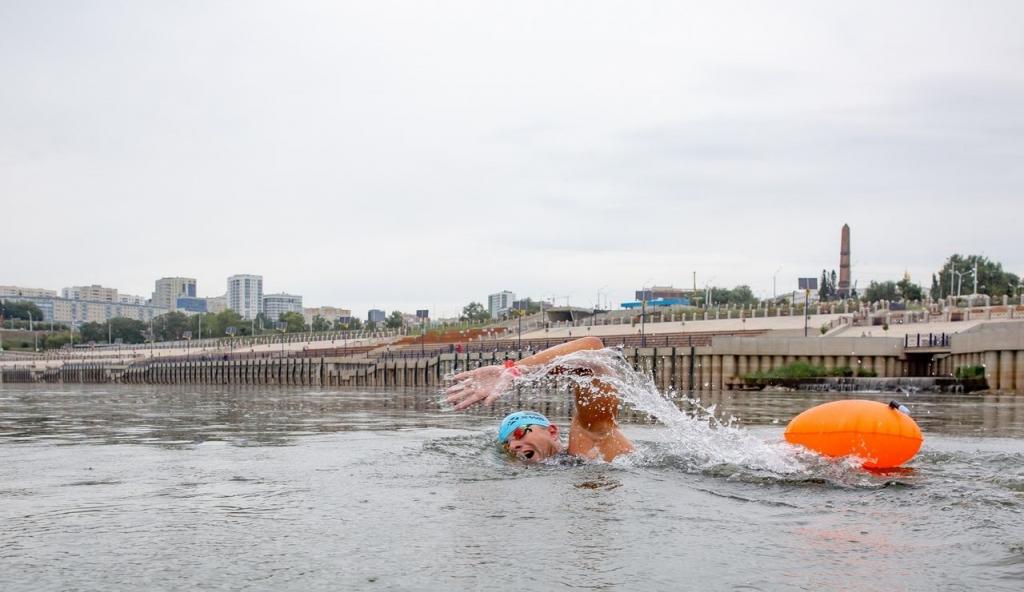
(881, 434)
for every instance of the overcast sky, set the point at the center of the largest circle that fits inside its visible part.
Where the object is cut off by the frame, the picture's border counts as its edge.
(424, 154)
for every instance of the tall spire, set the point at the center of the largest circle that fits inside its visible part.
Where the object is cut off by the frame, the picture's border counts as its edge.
(844, 263)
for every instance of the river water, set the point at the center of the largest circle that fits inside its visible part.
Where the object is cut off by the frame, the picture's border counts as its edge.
(182, 488)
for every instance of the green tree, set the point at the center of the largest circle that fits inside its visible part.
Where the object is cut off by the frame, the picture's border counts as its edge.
(992, 280)
(127, 330)
(170, 326)
(475, 312)
(294, 320)
(881, 291)
(909, 290)
(824, 294)
(262, 322)
(320, 324)
(394, 320)
(94, 332)
(740, 295)
(56, 340)
(202, 326)
(219, 323)
(20, 310)
(353, 324)
(935, 291)
(827, 288)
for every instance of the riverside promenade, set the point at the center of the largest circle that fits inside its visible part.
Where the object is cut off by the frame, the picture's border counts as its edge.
(711, 354)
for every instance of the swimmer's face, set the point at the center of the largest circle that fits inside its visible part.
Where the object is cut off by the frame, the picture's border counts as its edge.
(533, 443)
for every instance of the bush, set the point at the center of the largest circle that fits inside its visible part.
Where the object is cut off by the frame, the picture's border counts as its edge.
(964, 372)
(56, 340)
(794, 370)
(805, 370)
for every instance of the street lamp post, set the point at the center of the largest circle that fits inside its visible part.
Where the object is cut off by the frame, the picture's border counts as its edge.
(35, 337)
(643, 320)
(807, 309)
(520, 336)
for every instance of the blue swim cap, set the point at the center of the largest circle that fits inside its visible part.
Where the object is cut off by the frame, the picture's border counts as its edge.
(517, 419)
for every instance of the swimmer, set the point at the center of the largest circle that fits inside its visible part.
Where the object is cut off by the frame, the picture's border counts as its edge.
(531, 437)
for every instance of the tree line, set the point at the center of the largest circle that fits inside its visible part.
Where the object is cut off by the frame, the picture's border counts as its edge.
(956, 277)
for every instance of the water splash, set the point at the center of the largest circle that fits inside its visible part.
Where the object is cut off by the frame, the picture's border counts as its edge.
(696, 434)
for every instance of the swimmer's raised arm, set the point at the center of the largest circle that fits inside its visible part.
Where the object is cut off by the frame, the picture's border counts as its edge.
(487, 383)
(594, 431)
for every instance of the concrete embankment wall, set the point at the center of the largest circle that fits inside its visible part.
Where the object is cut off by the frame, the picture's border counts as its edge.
(707, 368)
(714, 367)
(998, 347)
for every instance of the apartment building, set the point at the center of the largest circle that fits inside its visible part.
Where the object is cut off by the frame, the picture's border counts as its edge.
(276, 304)
(93, 293)
(500, 303)
(245, 295)
(17, 291)
(169, 289)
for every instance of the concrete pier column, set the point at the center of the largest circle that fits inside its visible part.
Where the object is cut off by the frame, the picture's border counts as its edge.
(1018, 372)
(992, 369)
(742, 366)
(776, 362)
(1006, 368)
(890, 366)
(829, 362)
(879, 365)
(716, 372)
(702, 372)
(728, 370)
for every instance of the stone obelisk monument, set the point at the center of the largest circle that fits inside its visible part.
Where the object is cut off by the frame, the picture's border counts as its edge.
(844, 263)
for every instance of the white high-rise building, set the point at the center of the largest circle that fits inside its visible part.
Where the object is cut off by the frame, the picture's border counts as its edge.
(275, 304)
(245, 295)
(169, 289)
(500, 303)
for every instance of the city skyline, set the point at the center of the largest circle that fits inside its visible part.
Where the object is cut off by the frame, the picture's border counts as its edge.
(369, 157)
(294, 301)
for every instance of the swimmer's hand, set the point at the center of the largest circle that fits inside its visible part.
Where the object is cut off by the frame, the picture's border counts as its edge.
(485, 384)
